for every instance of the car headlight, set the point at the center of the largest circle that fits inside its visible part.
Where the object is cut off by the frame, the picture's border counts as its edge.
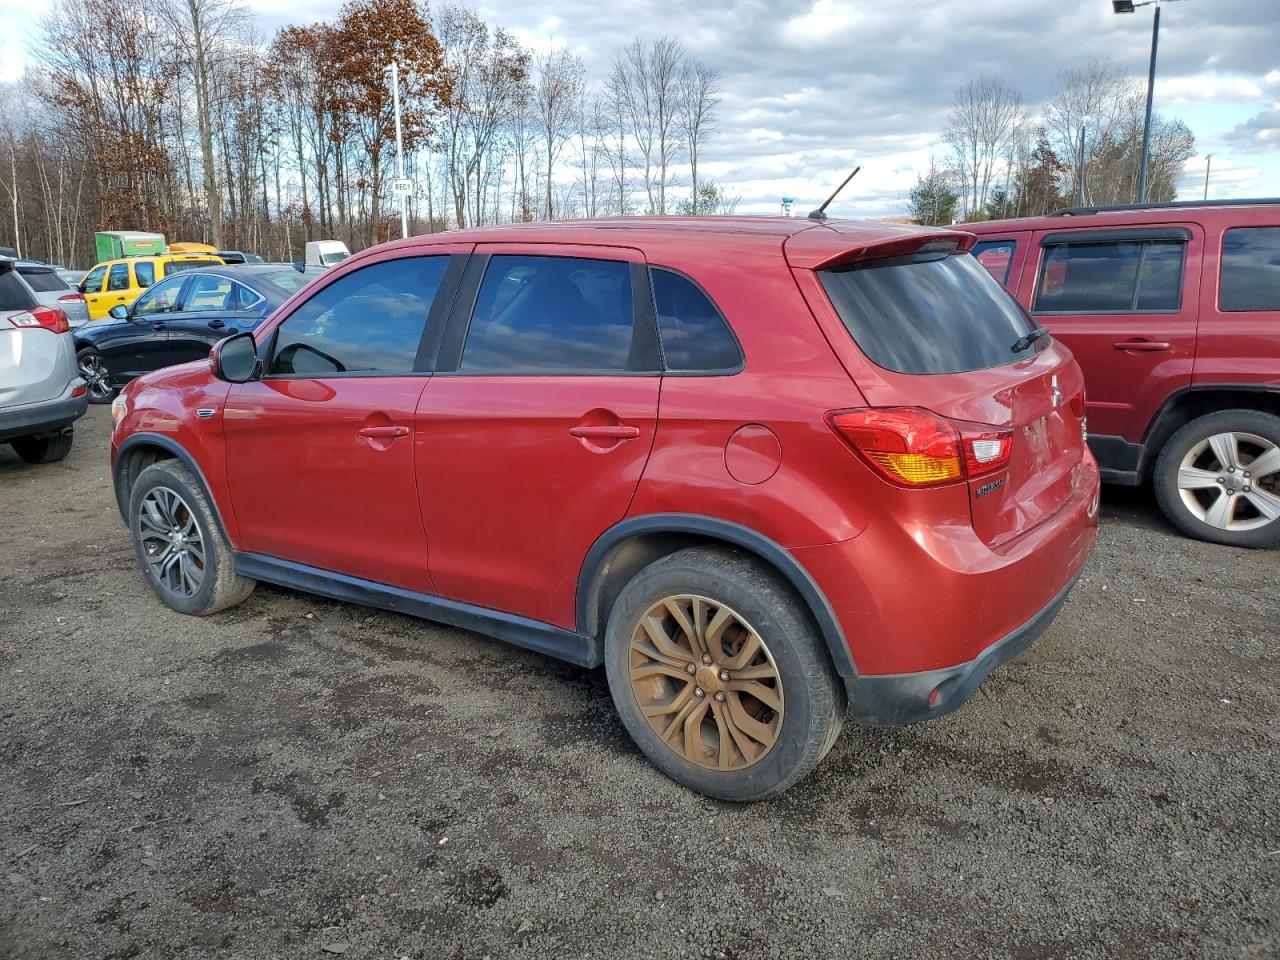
(119, 407)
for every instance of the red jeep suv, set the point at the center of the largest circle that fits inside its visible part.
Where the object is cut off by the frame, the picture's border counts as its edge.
(1173, 311)
(765, 471)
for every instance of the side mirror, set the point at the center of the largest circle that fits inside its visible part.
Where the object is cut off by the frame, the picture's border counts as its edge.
(119, 312)
(235, 359)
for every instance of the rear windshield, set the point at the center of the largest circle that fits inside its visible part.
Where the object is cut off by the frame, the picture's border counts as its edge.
(42, 279)
(14, 294)
(928, 313)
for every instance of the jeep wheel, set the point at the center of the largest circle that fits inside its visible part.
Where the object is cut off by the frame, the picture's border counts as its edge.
(720, 676)
(1218, 478)
(182, 553)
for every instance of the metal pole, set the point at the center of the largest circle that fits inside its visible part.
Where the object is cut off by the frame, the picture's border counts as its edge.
(404, 197)
(1146, 126)
(1080, 173)
(1208, 159)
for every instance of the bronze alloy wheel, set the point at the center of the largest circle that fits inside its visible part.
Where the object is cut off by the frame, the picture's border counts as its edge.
(706, 682)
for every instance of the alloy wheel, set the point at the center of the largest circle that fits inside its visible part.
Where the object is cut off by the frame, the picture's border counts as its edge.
(96, 376)
(706, 683)
(171, 542)
(1232, 481)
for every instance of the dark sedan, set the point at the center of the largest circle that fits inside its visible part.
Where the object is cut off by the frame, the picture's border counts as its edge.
(178, 320)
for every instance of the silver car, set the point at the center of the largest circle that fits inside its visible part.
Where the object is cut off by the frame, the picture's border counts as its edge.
(54, 291)
(41, 392)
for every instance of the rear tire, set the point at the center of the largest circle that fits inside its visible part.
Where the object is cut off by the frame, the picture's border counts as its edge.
(97, 378)
(46, 448)
(1207, 483)
(179, 547)
(699, 720)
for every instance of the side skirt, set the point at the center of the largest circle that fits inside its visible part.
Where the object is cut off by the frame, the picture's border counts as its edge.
(520, 631)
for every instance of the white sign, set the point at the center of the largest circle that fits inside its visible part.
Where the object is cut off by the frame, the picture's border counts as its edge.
(402, 188)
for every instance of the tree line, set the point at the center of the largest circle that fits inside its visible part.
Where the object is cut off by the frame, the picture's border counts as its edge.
(999, 162)
(177, 116)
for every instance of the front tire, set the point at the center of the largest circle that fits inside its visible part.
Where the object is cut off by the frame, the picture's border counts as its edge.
(719, 675)
(97, 378)
(1218, 478)
(46, 448)
(179, 547)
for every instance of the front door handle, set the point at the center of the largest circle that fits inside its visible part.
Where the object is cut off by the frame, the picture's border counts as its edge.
(608, 431)
(390, 432)
(1143, 346)
(216, 324)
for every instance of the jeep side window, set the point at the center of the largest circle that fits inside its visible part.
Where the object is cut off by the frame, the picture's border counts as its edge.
(996, 256)
(1111, 276)
(370, 321)
(1250, 269)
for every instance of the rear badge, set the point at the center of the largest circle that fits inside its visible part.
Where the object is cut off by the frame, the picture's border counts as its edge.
(991, 487)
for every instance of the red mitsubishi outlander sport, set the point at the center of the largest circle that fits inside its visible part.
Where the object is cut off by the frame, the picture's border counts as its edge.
(765, 471)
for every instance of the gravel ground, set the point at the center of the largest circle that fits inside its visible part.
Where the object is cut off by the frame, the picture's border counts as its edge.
(297, 778)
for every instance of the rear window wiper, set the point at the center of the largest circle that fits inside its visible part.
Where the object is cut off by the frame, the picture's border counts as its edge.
(1028, 340)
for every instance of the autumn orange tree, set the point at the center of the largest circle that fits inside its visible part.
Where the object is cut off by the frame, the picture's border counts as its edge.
(370, 35)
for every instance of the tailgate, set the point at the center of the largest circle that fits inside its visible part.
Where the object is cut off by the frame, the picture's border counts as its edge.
(33, 365)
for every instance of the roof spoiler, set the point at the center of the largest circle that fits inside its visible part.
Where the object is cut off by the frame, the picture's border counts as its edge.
(941, 244)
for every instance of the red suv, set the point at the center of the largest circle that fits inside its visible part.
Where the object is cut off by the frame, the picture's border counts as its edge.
(1173, 311)
(763, 471)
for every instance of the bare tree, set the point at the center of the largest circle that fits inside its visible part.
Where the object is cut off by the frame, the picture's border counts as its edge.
(645, 86)
(696, 113)
(557, 95)
(982, 124)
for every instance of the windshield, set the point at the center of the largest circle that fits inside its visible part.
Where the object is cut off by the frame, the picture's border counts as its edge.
(328, 258)
(929, 314)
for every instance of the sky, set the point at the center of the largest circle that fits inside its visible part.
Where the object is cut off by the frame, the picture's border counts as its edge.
(813, 87)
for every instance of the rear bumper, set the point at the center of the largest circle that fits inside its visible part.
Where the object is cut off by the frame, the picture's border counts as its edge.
(45, 416)
(895, 699)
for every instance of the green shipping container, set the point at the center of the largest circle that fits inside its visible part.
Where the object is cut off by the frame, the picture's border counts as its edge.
(114, 244)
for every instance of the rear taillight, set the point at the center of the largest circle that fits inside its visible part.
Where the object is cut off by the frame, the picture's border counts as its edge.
(71, 298)
(915, 448)
(47, 318)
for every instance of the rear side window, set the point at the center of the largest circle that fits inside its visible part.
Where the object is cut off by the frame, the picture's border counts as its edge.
(145, 273)
(210, 293)
(996, 257)
(554, 314)
(1114, 276)
(43, 281)
(1250, 269)
(370, 321)
(14, 294)
(695, 337)
(928, 313)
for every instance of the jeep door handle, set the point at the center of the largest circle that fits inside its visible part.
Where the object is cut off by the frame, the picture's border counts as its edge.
(608, 431)
(1143, 346)
(384, 432)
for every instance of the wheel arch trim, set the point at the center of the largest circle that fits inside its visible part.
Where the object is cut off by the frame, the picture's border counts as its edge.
(594, 569)
(180, 453)
(1163, 423)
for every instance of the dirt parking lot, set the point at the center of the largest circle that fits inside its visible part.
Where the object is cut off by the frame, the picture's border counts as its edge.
(297, 778)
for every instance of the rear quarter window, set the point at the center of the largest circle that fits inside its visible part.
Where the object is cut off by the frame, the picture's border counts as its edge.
(14, 294)
(1250, 269)
(996, 257)
(695, 336)
(928, 314)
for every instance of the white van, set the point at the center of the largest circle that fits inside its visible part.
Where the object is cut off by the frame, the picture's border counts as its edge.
(325, 253)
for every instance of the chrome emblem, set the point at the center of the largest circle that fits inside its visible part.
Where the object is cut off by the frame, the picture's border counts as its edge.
(1057, 394)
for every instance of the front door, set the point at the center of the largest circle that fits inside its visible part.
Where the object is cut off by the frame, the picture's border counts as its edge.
(320, 450)
(140, 344)
(533, 433)
(91, 287)
(1125, 301)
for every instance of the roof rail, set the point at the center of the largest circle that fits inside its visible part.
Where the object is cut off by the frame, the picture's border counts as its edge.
(1171, 205)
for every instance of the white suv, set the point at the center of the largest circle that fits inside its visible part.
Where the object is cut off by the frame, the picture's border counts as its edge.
(41, 392)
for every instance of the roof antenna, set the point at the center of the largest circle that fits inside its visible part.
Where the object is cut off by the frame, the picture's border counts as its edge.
(821, 212)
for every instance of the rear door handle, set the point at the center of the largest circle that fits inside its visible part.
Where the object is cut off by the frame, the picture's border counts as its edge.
(608, 431)
(391, 432)
(1144, 346)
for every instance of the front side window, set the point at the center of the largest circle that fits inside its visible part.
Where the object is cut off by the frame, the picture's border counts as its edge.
(210, 293)
(695, 337)
(561, 314)
(161, 298)
(1250, 269)
(118, 278)
(145, 273)
(996, 257)
(370, 321)
(1111, 276)
(93, 282)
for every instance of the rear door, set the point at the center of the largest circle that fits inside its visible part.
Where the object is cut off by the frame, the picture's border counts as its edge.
(533, 433)
(320, 451)
(213, 307)
(1125, 301)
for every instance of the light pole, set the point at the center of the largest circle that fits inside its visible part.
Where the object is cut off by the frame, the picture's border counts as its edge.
(1080, 170)
(1208, 159)
(1128, 6)
(394, 72)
